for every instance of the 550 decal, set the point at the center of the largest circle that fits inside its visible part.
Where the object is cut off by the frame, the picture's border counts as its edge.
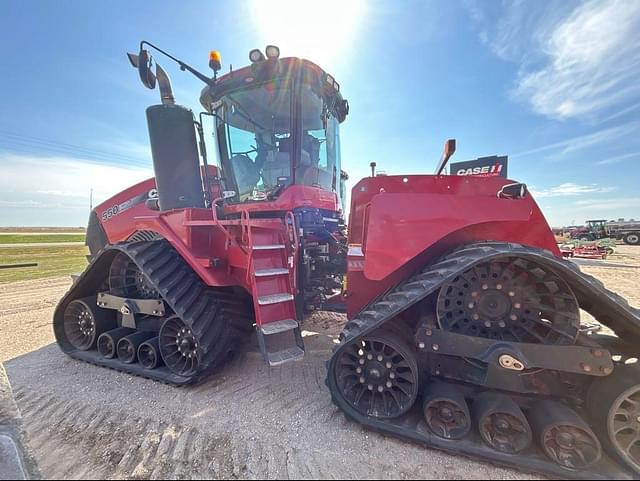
(128, 204)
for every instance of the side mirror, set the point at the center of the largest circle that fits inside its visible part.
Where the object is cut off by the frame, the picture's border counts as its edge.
(513, 191)
(145, 62)
(343, 110)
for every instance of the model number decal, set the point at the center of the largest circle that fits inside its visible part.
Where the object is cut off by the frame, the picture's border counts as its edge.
(128, 204)
(110, 212)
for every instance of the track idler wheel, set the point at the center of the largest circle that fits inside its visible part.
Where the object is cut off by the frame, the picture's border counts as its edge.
(149, 354)
(108, 342)
(179, 347)
(446, 411)
(613, 404)
(84, 321)
(564, 436)
(128, 346)
(501, 423)
(378, 375)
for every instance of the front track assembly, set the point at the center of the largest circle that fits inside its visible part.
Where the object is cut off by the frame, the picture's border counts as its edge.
(139, 308)
(489, 320)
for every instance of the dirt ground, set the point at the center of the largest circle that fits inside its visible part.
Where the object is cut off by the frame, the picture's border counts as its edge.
(248, 421)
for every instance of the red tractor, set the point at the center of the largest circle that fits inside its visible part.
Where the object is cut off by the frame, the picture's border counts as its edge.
(463, 327)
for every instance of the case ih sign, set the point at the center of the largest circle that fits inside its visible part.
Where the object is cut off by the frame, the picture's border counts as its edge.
(493, 166)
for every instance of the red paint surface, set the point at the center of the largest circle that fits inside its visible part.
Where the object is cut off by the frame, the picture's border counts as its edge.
(403, 225)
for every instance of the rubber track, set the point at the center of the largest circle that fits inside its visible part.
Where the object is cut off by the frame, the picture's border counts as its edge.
(217, 318)
(607, 307)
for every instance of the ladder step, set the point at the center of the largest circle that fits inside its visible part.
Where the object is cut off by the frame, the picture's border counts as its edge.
(271, 272)
(274, 299)
(268, 247)
(286, 355)
(279, 326)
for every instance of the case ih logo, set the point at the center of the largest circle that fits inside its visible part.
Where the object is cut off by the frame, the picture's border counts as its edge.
(484, 167)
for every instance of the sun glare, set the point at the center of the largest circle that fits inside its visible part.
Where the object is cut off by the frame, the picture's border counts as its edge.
(321, 31)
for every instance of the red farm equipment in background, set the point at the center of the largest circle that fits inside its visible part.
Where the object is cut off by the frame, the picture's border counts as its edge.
(463, 326)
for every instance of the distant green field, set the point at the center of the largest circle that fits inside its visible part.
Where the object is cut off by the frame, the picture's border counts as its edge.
(39, 238)
(52, 262)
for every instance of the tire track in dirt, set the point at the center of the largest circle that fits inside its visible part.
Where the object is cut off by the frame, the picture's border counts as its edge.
(117, 444)
(26, 309)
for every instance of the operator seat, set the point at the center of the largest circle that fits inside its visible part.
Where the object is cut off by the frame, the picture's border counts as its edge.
(278, 164)
(246, 174)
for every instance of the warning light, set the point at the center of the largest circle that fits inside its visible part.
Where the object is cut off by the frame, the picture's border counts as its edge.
(215, 60)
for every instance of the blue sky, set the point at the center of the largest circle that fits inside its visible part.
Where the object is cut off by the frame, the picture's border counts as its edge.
(551, 84)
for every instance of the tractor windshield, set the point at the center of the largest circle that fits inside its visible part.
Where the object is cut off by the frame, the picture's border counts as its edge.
(258, 152)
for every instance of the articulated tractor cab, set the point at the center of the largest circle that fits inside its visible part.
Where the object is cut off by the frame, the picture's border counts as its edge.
(463, 327)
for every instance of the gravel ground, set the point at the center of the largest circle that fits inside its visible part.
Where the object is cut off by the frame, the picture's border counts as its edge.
(248, 421)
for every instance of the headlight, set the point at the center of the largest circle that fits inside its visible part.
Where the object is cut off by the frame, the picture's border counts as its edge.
(256, 56)
(272, 51)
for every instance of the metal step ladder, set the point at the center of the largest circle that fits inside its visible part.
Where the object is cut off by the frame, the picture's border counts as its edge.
(271, 271)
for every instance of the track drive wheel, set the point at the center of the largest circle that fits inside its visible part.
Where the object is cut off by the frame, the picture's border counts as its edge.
(378, 375)
(127, 280)
(613, 404)
(564, 436)
(501, 423)
(510, 299)
(446, 411)
(84, 322)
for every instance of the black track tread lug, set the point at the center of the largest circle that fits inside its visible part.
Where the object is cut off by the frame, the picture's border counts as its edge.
(214, 315)
(607, 307)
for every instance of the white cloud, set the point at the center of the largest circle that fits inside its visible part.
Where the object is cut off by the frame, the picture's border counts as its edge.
(57, 188)
(584, 141)
(618, 158)
(570, 189)
(21, 203)
(608, 204)
(593, 61)
(575, 60)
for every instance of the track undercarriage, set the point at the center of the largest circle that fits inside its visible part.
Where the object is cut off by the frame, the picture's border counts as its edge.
(139, 308)
(483, 354)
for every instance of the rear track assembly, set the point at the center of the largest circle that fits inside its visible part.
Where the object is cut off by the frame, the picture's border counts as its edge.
(559, 443)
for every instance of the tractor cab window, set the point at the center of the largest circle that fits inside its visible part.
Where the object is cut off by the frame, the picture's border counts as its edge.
(319, 161)
(255, 141)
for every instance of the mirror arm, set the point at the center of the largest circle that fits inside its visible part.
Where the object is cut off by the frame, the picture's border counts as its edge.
(183, 66)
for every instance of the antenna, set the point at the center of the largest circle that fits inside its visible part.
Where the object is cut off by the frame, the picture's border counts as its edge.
(91, 200)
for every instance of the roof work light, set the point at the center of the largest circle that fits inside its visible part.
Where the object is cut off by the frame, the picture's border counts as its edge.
(272, 52)
(215, 60)
(256, 56)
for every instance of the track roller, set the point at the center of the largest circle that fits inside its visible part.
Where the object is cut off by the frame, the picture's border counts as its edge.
(501, 423)
(564, 436)
(149, 354)
(127, 347)
(613, 403)
(108, 342)
(84, 322)
(446, 411)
